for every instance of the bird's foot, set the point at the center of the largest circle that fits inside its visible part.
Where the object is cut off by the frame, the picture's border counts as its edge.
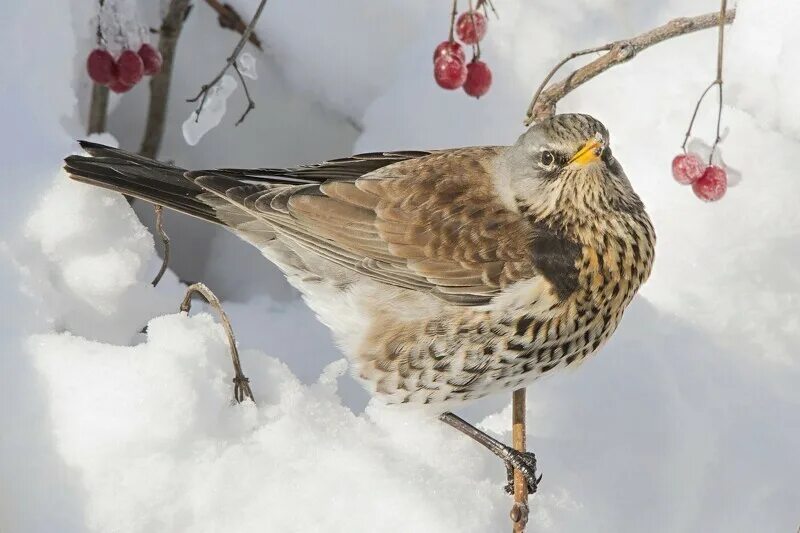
(525, 462)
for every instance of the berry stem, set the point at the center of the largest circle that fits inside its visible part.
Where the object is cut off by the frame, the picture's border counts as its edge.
(720, 43)
(476, 47)
(694, 115)
(453, 14)
(718, 82)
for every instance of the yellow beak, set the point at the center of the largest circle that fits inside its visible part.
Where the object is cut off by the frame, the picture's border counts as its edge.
(589, 152)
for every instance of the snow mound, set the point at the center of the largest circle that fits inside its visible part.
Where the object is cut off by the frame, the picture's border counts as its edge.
(153, 435)
(761, 63)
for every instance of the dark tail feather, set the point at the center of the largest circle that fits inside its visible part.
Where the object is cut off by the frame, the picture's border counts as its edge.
(140, 177)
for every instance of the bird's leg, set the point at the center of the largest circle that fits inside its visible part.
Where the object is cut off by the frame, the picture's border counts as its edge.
(525, 462)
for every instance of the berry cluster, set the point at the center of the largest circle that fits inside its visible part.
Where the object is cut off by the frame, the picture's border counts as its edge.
(709, 182)
(122, 73)
(450, 69)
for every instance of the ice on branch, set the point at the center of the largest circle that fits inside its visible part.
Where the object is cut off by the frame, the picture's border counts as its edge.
(196, 126)
(247, 65)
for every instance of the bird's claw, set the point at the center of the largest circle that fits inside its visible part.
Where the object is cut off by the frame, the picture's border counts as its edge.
(525, 462)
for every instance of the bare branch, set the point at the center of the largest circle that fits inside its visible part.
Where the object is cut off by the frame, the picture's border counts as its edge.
(250, 103)
(720, 43)
(519, 511)
(544, 102)
(98, 109)
(241, 385)
(228, 18)
(231, 62)
(718, 82)
(171, 28)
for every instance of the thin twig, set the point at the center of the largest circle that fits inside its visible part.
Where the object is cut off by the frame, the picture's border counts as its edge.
(519, 511)
(476, 47)
(250, 104)
(718, 82)
(241, 385)
(203, 94)
(694, 115)
(720, 43)
(228, 18)
(159, 210)
(484, 3)
(544, 101)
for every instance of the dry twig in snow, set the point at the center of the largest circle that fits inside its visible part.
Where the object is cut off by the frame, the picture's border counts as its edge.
(241, 385)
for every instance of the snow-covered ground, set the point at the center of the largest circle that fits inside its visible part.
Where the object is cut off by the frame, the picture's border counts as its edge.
(689, 419)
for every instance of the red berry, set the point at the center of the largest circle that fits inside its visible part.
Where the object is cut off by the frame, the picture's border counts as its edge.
(131, 68)
(712, 184)
(479, 78)
(687, 168)
(151, 58)
(118, 86)
(471, 27)
(101, 66)
(449, 48)
(449, 72)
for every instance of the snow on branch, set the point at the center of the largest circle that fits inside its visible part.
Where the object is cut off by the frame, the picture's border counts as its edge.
(202, 96)
(544, 100)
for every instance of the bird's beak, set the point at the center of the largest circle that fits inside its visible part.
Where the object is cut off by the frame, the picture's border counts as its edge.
(589, 152)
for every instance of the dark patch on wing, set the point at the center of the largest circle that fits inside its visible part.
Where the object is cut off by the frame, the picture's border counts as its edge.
(555, 256)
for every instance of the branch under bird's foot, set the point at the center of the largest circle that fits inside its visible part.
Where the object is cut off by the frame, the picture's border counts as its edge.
(525, 462)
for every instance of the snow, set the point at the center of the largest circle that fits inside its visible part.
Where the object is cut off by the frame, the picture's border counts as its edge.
(210, 115)
(689, 420)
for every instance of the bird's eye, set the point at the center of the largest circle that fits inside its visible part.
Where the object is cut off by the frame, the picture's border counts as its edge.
(547, 158)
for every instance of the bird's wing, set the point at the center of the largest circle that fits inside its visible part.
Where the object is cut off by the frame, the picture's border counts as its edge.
(432, 223)
(335, 169)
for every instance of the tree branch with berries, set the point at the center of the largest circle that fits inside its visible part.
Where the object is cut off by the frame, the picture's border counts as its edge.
(450, 69)
(708, 179)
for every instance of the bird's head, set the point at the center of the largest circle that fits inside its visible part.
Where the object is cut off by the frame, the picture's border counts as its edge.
(562, 166)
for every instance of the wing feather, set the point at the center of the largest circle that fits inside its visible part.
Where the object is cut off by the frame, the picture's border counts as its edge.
(430, 223)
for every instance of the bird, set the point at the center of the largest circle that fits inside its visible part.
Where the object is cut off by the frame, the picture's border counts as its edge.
(444, 275)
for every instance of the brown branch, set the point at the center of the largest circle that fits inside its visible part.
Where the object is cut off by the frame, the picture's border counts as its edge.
(231, 62)
(519, 511)
(98, 109)
(544, 101)
(229, 19)
(241, 385)
(171, 27)
(170, 30)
